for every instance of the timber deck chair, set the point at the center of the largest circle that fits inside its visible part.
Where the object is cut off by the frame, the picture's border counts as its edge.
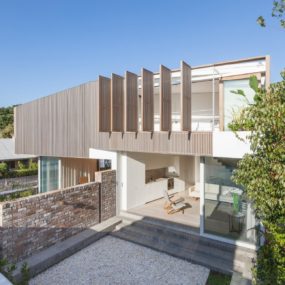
(172, 206)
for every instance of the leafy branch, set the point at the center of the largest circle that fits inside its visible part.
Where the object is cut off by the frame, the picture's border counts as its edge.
(278, 11)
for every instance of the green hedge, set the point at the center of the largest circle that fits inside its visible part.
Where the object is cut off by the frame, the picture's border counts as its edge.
(20, 173)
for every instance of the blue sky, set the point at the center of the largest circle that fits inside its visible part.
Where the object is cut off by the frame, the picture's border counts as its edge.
(47, 46)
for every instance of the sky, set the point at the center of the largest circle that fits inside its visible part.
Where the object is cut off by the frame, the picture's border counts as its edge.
(48, 46)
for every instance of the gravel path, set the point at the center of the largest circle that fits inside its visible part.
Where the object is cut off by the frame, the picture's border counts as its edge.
(114, 261)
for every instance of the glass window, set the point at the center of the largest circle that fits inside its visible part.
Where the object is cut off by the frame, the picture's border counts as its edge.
(202, 105)
(227, 212)
(49, 174)
(234, 103)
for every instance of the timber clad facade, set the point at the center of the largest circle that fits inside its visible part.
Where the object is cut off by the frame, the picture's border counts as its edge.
(103, 114)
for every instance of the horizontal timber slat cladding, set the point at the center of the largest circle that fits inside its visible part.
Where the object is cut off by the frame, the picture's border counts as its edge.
(195, 143)
(186, 113)
(66, 125)
(131, 101)
(105, 104)
(147, 100)
(165, 98)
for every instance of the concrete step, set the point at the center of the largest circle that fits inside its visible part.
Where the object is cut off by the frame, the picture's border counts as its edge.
(182, 231)
(194, 244)
(238, 279)
(176, 250)
(179, 240)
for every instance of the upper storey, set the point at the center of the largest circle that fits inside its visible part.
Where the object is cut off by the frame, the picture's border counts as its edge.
(172, 111)
(187, 99)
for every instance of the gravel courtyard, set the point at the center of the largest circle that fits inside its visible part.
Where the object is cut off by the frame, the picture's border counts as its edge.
(114, 261)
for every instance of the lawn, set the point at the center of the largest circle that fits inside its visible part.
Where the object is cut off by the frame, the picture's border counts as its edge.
(216, 278)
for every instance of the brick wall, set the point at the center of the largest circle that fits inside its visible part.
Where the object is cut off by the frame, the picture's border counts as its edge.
(108, 193)
(32, 223)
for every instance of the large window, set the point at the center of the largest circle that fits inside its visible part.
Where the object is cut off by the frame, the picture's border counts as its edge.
(227, 212)
(204, 111)
(49, 174)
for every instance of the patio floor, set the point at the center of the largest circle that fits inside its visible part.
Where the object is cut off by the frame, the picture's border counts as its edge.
(155, 209)
(114, 261)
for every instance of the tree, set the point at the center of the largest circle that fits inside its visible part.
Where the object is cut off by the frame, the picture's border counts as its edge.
(6, 122)
(8, 131)
(262, 174)
(278, 11)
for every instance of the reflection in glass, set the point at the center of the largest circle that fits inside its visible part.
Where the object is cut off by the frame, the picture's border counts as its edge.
(49, 178)
(234, 103)
(202, 105)
(227, 212)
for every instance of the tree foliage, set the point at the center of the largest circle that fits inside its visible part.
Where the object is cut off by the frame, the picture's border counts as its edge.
(278, 11)
(262, 174)
(6, 122)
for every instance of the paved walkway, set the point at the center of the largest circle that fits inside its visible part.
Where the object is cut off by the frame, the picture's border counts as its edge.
(114, 261)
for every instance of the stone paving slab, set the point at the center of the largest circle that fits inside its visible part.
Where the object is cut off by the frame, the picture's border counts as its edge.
(114, 261)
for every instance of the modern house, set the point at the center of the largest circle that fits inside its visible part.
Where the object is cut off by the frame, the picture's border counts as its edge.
(165, 130)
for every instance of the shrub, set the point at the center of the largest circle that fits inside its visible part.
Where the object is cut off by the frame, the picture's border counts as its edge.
(3, 169)
(21, 173)
(7, 269)
(21, 165)
(33, 165)
(262, 174)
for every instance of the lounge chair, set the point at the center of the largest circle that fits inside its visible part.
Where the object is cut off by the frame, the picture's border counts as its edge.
(172, 206)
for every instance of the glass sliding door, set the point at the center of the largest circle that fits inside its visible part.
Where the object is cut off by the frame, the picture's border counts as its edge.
(49, 174)
(227, 212)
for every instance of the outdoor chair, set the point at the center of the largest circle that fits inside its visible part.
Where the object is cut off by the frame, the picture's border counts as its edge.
(172, 206)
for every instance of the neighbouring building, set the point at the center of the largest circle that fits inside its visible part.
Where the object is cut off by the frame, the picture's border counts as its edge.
(165, 130)
(11, 175)
(8, 155)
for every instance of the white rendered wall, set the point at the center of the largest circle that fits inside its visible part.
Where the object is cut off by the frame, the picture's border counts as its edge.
(226, 144)
(103, 154)
(135, 192)
(131, 188)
